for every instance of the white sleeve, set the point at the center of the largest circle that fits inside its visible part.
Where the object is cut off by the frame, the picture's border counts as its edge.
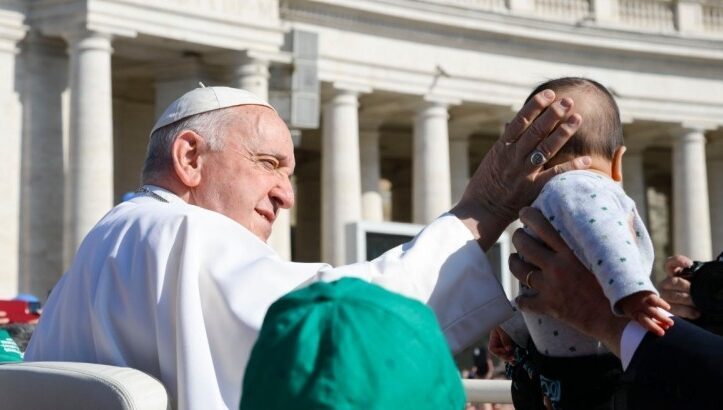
(444, 267)
(633, 335)
(631, 338)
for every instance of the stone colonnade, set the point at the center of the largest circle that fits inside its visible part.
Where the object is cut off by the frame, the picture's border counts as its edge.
(349, 162)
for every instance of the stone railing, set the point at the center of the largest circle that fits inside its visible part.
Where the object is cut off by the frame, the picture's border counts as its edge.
(713, 16)
(563, 9)
(658, 16)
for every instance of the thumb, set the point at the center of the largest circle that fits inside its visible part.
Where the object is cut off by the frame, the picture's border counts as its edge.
(571, 165)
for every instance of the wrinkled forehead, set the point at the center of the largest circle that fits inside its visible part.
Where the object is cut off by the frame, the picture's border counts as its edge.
(254, 124)
(260, 129)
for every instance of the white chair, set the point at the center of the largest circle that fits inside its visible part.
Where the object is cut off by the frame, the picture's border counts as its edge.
(78, 386)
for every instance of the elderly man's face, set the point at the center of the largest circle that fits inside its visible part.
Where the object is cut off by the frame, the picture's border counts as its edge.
(248, 180)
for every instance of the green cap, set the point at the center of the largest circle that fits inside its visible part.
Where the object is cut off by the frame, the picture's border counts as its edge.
(350, 345)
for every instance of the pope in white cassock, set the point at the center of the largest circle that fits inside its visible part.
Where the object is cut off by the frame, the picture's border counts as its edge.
(176, 282)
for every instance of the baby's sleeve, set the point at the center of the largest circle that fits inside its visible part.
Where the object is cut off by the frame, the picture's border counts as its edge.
(596, 225)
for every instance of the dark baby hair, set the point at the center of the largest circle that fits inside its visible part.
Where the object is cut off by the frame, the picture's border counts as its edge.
(601, 131)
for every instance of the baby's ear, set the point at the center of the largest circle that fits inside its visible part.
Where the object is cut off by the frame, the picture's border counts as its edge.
(617, 164)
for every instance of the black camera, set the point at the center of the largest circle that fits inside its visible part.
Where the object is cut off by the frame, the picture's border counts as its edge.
(706, 290)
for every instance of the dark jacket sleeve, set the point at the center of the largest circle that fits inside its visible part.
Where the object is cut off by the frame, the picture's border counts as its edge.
(681, 370)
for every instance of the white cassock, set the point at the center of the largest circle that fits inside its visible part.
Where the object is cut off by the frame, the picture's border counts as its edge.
(180, 292)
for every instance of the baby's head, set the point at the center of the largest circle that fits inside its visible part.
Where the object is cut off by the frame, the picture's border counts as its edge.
(600, 135)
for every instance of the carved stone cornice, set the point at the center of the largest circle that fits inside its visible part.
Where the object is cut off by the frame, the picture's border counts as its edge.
(224, 24)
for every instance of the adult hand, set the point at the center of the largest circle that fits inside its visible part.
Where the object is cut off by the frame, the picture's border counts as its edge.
(676, 290)
(506, 179)
(564, 288)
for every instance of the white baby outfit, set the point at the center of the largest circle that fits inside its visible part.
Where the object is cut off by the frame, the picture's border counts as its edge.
(600, 223)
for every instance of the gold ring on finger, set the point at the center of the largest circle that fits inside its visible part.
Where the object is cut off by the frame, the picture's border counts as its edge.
(528, 278)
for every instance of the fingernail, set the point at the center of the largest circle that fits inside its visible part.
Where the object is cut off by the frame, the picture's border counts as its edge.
(566, 102)
(548, 94)
(573, 120)
(587, 161)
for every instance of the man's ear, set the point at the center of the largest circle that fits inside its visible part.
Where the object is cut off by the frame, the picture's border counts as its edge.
(186, 156)
(617, 166)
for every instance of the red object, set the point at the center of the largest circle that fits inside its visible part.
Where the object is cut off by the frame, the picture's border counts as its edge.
(20, 311)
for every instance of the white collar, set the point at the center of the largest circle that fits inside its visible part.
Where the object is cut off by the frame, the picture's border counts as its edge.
(159, 194)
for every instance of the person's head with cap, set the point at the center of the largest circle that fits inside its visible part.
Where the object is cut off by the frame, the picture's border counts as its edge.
(226, 150)
(350, 345)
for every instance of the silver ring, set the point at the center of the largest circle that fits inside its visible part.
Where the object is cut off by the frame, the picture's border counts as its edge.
(537, 158)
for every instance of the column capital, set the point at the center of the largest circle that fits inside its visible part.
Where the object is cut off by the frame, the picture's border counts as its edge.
(245, 66)
(437, 99)
(693, 126)
(432, 109)
(343, 96)
(82, 39)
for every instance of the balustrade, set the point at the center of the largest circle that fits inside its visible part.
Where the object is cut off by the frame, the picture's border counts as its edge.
(655, 15)
(713, 17)
(563, 9)
(640, 15)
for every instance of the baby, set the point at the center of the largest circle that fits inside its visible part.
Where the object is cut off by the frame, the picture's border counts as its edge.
(600, 223)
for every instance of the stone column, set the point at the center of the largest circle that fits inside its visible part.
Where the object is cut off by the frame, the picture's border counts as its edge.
(431, 176)
(11, 32)
(634, 180)
(715, 186)
(459, 162)
(43, 173)
(340, 174)
(372, 206)
(691, 218)
(91, 130)
(252, 75)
